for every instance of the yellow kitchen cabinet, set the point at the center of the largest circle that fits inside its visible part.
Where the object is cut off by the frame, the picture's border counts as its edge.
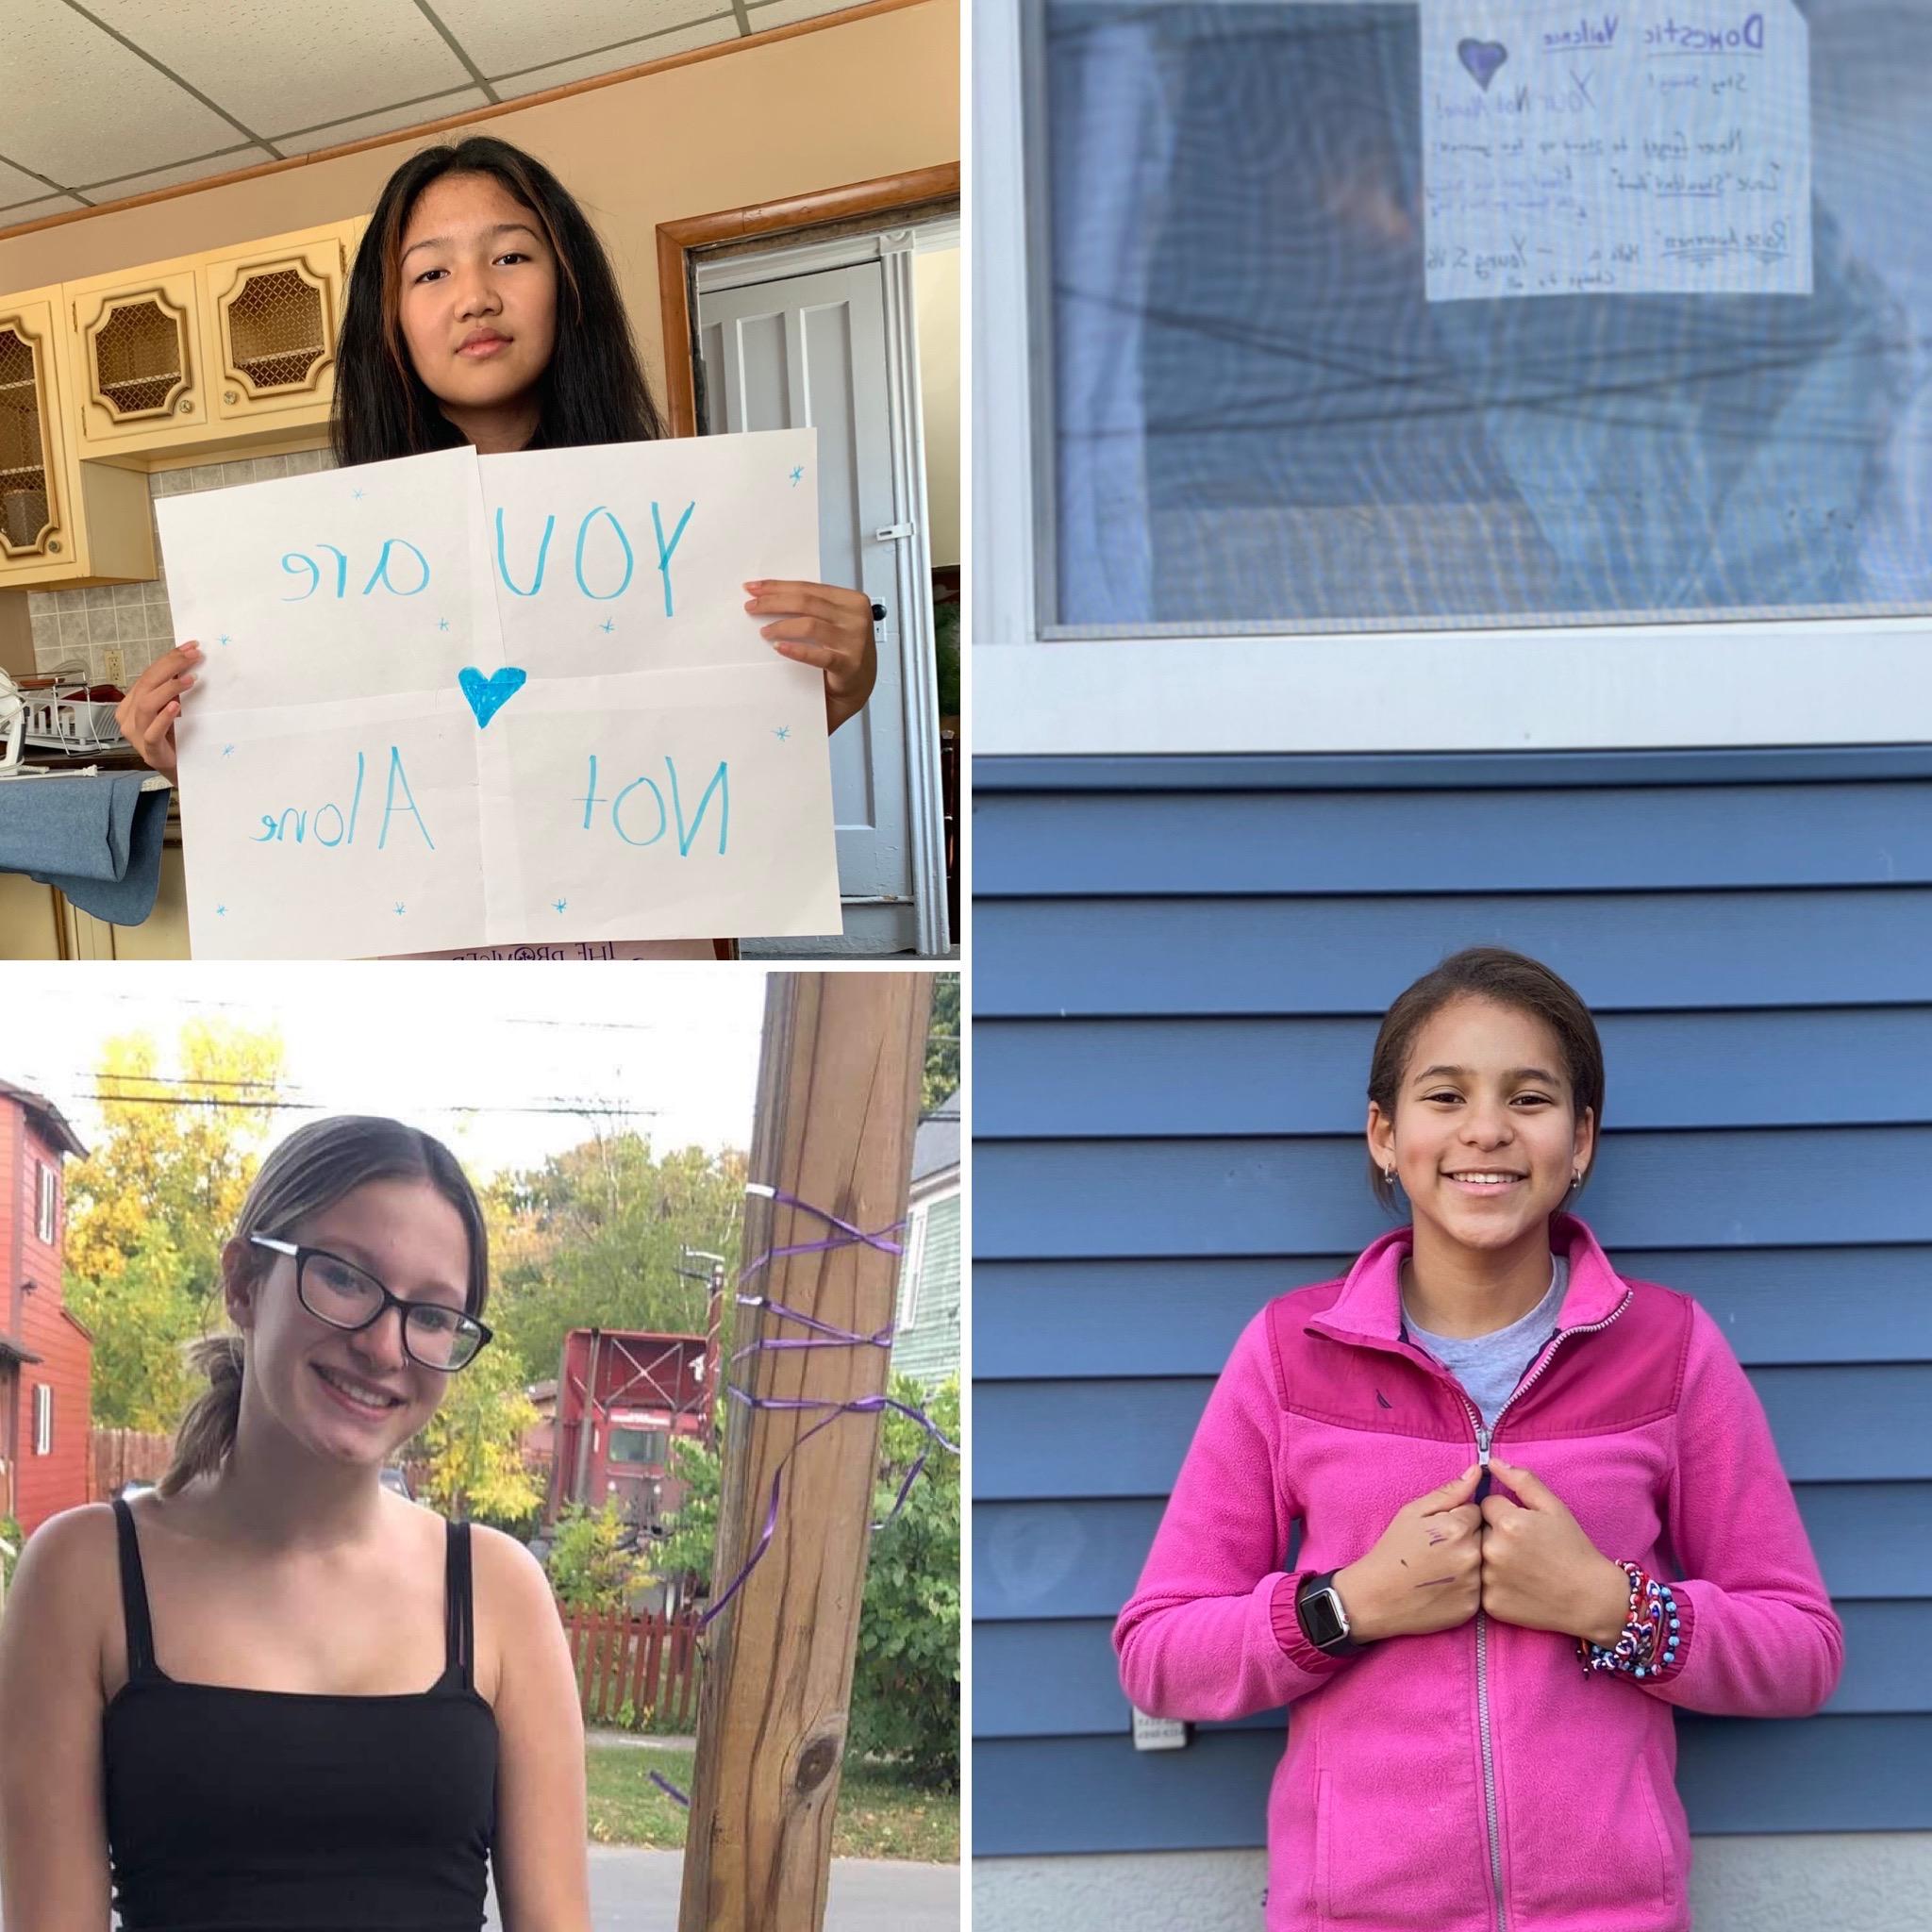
(210, 354)
(30, 913)
(139, 358)
(163, 935)
(63, 522)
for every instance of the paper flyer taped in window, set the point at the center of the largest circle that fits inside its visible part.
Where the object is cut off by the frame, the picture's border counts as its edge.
(1638, 150)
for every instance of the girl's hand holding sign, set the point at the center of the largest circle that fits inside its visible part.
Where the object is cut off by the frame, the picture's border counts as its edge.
(820, 623)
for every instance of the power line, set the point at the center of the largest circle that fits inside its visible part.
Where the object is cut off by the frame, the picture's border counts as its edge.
(580, 1111)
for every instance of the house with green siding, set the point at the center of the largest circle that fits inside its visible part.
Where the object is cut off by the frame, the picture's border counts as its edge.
(927, 1319)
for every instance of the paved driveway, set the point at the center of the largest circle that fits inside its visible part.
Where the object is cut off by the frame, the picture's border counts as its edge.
(634, 1891)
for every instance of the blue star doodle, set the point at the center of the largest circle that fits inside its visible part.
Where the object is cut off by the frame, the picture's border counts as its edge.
(797, 476)
(356, 494)
(562, 904)
(399, 909)
(443, 624)
(608, 624)
(220, 913)
(222, 640)
(227, 751)
(782, 733)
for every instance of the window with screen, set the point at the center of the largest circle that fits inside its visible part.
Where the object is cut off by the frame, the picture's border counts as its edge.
(1371, 316)
(641, 1448)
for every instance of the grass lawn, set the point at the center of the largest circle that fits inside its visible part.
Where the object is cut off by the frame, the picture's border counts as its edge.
(880, 1815)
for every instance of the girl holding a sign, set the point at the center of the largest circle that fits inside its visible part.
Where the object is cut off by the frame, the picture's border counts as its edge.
(1483, 1653)
(482, 309)
(272, 1692)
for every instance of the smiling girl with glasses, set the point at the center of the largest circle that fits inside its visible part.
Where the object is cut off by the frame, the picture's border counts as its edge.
(273, 1693)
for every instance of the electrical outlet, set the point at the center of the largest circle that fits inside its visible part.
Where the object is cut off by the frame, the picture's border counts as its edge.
(114, 664)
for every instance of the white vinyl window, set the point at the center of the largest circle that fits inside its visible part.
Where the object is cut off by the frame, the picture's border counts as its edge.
(1278, 447)
(909, 1264)
(44, 1420)
(48, 1203)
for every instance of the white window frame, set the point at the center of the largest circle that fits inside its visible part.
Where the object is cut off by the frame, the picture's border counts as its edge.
(1788, 682)
(43, 1419)
(48, 1204)
(911, 1263)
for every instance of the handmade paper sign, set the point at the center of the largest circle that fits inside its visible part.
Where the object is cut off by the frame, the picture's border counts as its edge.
(1639, 150)
(451, 702)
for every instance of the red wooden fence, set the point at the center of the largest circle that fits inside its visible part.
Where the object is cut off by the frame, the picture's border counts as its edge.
(650, 1663)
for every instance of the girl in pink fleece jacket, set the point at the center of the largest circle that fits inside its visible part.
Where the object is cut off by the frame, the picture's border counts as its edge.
(1481, 1648)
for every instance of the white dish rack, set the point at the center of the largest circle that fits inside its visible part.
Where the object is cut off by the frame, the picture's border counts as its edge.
(61, 717)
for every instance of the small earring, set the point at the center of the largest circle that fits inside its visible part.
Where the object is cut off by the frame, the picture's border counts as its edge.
(1389, 1176)
(1576, 1182)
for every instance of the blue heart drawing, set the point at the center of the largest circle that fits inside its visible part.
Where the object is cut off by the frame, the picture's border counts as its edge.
(1482, 58)
(488, 695)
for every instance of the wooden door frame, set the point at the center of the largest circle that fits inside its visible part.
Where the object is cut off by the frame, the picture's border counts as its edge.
(678, 240)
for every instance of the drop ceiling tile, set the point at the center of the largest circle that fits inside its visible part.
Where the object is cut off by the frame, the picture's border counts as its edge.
(33, 210)
(771, 13)
(720, 26)
(16, 184)
(386, 120)
(58, 64)
(504, 37)
(205, 169)
(275, 65)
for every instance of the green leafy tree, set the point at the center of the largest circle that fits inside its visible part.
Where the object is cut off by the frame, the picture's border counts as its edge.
(590, 1568)
(905, 1678)
(471, 1448)
(149, 1210)
(942, 1075)
(596, 1239)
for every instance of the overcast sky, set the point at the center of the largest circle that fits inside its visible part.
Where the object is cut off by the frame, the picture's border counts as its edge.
(493, 1057)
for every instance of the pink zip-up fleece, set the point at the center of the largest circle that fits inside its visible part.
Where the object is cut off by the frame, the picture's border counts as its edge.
(1475, 1780)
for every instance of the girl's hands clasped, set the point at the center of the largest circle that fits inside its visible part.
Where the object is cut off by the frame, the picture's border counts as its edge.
(1444, 1556)
(819, 623)
(146, 715)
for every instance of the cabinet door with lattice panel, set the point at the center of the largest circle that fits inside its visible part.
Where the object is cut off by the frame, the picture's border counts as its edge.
(138, 344)
(35, 533)
(274, 311)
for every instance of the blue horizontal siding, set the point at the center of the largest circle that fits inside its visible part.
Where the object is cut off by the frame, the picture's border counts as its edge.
(1781, 1186)
(1128, 1439)
(1657, 951)
(1071, 1319)
(1642, 838)
(1058, 1557)
(1098, 1794)
(1432, 770)
(1171, 1077)
(1179, 967)
(1059, 1679)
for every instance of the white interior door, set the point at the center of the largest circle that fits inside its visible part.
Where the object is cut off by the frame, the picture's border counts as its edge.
(811, 349)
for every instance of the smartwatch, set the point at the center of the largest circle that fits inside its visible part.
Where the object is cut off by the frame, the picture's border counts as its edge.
(1324, 1621)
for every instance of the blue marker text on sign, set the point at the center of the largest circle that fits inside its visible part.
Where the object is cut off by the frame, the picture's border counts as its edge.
(328, 824)
(641, 820)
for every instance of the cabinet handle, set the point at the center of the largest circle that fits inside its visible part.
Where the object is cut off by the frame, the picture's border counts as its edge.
(186, 404)
(54, 546)
(228, 395)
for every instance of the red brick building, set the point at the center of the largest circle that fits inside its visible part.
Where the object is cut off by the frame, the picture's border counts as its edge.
(46, 1357)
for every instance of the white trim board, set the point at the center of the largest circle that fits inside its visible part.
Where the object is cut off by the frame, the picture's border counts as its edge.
(1809, 682)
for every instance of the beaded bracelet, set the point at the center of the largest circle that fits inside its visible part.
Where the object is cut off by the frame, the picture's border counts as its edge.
(1651, 1620)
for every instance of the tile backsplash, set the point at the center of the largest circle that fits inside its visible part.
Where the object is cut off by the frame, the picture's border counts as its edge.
(75, 627)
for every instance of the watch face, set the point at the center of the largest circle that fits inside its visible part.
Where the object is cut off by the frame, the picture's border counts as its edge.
(1324, 1621)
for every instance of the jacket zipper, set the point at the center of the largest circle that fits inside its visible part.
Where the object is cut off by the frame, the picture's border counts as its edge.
(1482, 1438)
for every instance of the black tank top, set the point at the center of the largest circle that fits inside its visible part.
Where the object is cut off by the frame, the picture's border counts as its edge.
(271, 1809)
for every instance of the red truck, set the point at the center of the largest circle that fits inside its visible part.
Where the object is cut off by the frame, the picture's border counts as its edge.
(623, 1395)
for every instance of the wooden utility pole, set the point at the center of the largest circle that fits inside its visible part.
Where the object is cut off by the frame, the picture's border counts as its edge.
(838, 1104)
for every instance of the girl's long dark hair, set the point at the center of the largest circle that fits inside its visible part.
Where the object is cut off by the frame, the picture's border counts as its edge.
(593, 391)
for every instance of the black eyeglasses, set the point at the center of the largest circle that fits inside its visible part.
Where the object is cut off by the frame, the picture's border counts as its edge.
(345, 1296)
